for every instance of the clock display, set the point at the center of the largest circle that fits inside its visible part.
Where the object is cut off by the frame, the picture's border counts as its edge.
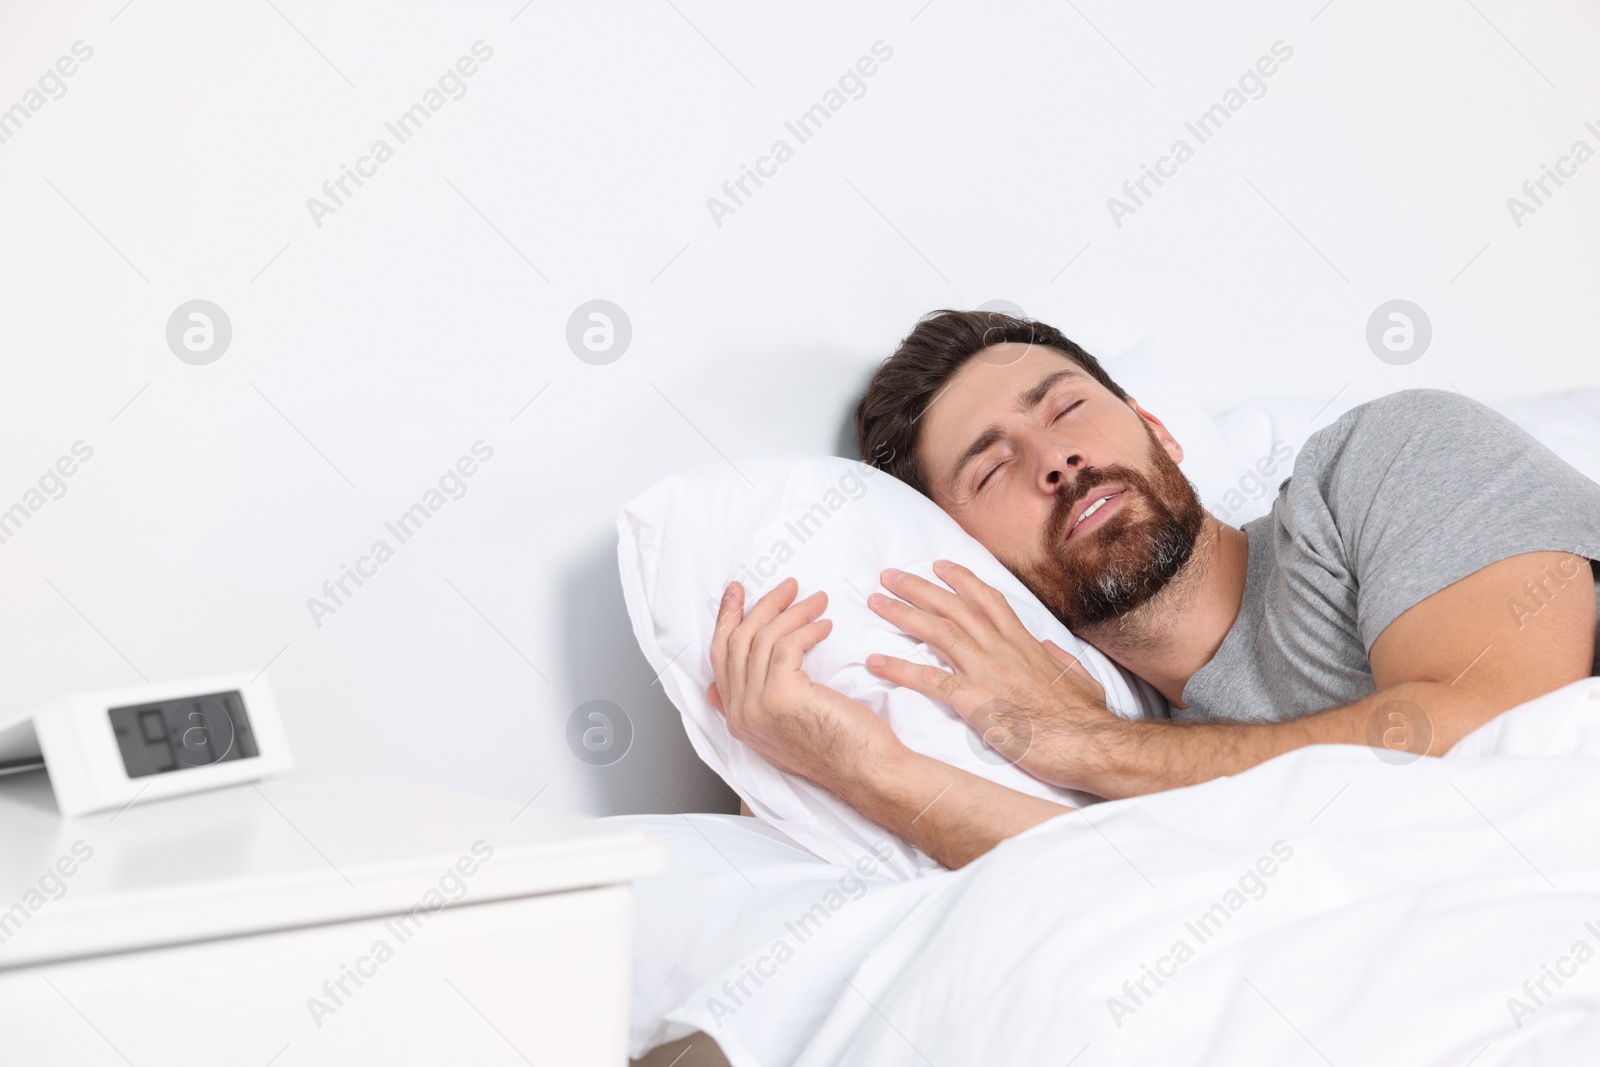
(183, 732)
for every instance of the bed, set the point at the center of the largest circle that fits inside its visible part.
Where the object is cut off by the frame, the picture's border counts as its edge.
(1327, 906)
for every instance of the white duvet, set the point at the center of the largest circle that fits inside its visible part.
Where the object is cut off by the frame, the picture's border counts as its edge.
(1326, 907)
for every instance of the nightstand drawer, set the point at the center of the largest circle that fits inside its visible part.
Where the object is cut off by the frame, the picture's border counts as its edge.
(539, 979)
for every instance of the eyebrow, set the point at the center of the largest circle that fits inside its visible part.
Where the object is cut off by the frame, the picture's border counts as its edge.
(1026, 402)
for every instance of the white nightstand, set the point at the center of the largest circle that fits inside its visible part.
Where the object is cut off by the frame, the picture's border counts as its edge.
(307, 920)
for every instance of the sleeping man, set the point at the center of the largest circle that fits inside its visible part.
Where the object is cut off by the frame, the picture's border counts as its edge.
(1428, 566)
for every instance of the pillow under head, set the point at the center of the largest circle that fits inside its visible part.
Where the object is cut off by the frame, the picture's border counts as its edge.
(832, 524)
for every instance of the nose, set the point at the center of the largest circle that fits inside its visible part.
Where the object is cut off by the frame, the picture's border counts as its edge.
(1058, 464)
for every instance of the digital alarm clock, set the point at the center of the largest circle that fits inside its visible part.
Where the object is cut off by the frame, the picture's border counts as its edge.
(113, 747)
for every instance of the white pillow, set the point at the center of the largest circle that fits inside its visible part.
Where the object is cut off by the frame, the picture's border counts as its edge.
(1567, 423)
(832, 524)
(1265, 435)
(1162, 387)
(1236, 461)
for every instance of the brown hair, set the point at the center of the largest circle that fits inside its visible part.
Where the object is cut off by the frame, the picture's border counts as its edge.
(888, 416)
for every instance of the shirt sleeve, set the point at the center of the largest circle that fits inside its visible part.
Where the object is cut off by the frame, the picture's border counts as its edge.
(1425, 487)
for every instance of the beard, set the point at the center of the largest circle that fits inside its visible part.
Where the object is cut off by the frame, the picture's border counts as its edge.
(1109, 572)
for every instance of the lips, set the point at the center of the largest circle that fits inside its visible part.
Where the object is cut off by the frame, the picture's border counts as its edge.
(1094, 502)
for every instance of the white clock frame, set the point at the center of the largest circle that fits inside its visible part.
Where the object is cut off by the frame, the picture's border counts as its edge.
(74, 735)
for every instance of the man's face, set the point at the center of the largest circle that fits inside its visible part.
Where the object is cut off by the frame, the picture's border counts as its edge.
(1077, 492)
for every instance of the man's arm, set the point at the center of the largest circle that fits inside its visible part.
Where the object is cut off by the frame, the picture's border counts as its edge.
(951, 814)
(808, 729)
(1443, 668)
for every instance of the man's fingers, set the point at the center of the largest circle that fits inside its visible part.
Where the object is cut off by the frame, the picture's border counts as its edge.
(985, 597)
(729, 613)
(715, 698)
(1073, 665)
(925, 678)
(927, 595)
(1060, 655)
(946, 635)
(766, 609)
(798, 614)
(788, 652)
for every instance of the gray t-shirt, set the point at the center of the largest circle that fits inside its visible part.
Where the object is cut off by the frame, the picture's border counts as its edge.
(1393, 502)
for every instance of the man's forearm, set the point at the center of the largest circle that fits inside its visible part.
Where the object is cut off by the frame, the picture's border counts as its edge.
(1146, 757)
(1446, 666)
(952, 815)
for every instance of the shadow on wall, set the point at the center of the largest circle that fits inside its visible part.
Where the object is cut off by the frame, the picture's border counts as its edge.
(844, 442)
(659, 771)
(605, 662)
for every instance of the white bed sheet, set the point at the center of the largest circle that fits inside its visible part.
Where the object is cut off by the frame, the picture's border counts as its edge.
(1416, 903)
(732, 890)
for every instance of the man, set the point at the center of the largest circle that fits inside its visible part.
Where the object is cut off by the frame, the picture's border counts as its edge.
(1428, 566)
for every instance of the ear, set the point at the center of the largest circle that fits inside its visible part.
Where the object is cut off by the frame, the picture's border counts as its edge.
(1159, 428)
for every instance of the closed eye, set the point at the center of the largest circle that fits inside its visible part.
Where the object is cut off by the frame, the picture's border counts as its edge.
(1070, 407)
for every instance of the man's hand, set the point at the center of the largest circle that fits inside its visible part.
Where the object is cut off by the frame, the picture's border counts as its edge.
(1032, 701)
(806, 728)
(797, 725)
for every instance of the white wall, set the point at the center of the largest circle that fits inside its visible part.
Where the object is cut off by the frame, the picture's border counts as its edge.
(371, 351)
